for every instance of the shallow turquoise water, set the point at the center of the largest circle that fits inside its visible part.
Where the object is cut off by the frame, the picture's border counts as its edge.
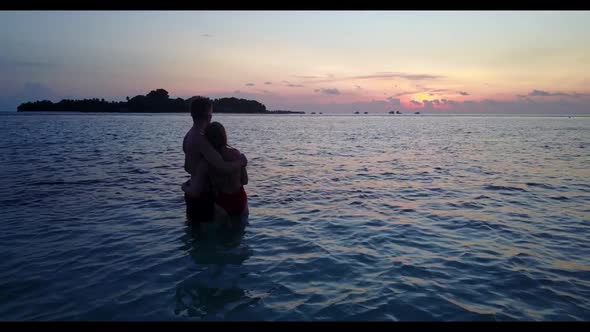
(352, 218)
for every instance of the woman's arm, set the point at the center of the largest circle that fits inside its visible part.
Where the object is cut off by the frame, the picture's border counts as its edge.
(214, 158)
(244, 177)
(233, 154)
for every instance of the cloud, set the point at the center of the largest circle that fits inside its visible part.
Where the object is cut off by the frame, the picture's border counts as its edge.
(268, 83)
(487, 106)
(306, 77)
(430, 91)
(206, 35)
(489, 102)
(383, 76)
(541, 93)
(292, 85)
(405, 93)
(375, 106)
(578, 95)
(390, 75)
(427, 104)
(394, 101)
(536, 93)
(491, 106)
(518, 106)
(328, 91)
(437, 90)
(358, 87)
(250, 84)
(237, 92)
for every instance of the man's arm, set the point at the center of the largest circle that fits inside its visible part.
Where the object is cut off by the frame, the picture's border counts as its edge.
(186, 167)
(214, 158)
(185, 161)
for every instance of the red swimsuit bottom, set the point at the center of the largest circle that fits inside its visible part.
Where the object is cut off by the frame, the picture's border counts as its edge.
(233, 204)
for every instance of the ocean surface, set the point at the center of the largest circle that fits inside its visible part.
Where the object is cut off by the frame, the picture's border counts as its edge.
(351, 218)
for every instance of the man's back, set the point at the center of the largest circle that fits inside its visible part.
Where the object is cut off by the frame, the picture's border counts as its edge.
(195, 164)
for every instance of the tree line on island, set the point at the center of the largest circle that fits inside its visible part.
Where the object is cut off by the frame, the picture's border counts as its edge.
(156, 101)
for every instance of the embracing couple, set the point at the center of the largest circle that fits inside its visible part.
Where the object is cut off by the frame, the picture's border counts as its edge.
(215, 190)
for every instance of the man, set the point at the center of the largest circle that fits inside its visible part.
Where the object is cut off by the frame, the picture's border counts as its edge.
(199, 156)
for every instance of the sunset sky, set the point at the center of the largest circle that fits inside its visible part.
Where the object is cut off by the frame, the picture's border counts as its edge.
(332, 61)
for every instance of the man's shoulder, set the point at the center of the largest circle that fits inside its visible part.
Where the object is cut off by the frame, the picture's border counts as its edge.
(198, 137)
(194, 135)
(193, 142)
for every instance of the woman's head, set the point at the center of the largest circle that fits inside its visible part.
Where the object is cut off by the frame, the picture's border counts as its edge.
(215, 133)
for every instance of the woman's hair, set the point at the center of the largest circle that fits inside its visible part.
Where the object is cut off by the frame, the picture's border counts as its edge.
(215, 134)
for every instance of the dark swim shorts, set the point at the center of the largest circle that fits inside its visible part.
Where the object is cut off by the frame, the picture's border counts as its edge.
(200, 209)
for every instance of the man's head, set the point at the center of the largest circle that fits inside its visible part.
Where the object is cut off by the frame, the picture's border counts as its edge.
(201, 109)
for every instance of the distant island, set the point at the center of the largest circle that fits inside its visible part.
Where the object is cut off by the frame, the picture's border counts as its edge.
(156, 101)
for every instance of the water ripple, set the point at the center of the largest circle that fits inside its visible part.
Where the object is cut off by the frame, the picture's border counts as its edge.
(351, 218)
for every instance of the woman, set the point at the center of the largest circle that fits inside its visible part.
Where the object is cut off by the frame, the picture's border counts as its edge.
(229, 188)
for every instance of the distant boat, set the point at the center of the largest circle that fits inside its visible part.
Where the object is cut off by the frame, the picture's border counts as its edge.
(417, 113)
(398, 112)
(312, 112)
(356, 112)
(366, 112)
(391, 112)
(321, 113)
